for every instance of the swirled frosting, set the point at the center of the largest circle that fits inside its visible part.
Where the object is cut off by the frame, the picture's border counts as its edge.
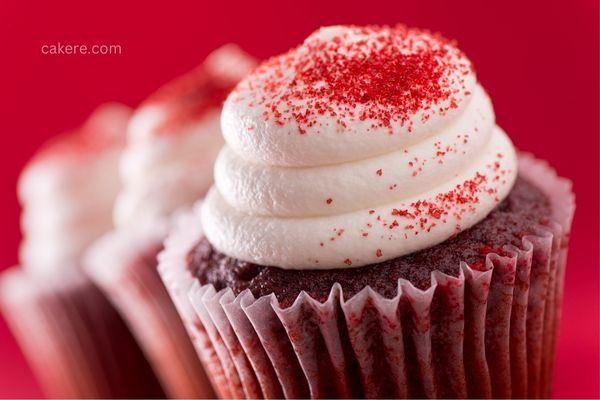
(361, 145)
(68, 189)
(173, 139)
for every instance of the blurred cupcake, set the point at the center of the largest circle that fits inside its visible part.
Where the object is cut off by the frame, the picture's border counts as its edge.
(68, 190)
(75, 341)
(173, 139)
(372, 232)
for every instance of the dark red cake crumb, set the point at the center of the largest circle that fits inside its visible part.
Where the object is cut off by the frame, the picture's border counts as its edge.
(514, 217)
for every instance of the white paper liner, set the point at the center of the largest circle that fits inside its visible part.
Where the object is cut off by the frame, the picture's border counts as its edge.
(487, 333)
(123, 264)
(74, 340)
(178, 284)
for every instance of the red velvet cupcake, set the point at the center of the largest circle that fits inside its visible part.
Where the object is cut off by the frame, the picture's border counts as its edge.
(68, 190)
(172, 141)
(372, 232)
(75, 341)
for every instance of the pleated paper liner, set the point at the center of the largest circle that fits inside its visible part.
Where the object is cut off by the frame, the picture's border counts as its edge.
(172, 267)
(76, 343)
(123, 264)
(486, 333)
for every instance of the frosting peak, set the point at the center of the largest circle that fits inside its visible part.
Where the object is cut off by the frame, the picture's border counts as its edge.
(360, 145)
(173, 139)
(68, 189)
(347, 93)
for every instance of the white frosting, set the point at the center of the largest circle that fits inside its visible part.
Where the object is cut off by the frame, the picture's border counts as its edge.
(346, 196)
(296, 192)
(67, 191)
(162, 171)
(265, 141)
(168, 172)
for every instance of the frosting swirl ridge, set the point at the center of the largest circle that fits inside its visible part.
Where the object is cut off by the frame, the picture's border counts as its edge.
(361, 145)
(173, 139)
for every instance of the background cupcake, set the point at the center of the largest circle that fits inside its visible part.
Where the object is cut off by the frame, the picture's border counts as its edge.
(173, 139)
(371, 231)
(69, 188)
(73, 338)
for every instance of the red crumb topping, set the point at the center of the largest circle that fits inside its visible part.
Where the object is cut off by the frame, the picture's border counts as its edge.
(426, 215)
(102, 131)
(465, 194)
(381, 74)
(76, 145)
(188, 97)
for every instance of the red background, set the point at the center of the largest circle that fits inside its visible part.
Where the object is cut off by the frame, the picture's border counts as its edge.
(538, 61)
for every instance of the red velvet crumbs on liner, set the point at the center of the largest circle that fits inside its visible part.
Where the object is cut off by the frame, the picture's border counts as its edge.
(478, 265)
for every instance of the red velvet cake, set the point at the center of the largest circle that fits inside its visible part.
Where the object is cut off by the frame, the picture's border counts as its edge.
(74, 339)
(372, 232)
(172, 140)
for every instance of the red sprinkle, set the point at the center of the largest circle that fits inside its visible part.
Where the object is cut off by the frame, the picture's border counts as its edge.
(329, 200)
(378, 253)
(402, 213)
(190, 96)
(389, 76)
(457, 202)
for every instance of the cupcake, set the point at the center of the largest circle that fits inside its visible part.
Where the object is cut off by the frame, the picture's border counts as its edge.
(75, 341)
(69, 188)
(77, 345)
(372, 232)
(172, 141)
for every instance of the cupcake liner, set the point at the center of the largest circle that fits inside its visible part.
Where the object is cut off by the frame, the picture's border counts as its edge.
(74, 340)
(178, 282)
(485, 333)
(123, 264)
(563, 207)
